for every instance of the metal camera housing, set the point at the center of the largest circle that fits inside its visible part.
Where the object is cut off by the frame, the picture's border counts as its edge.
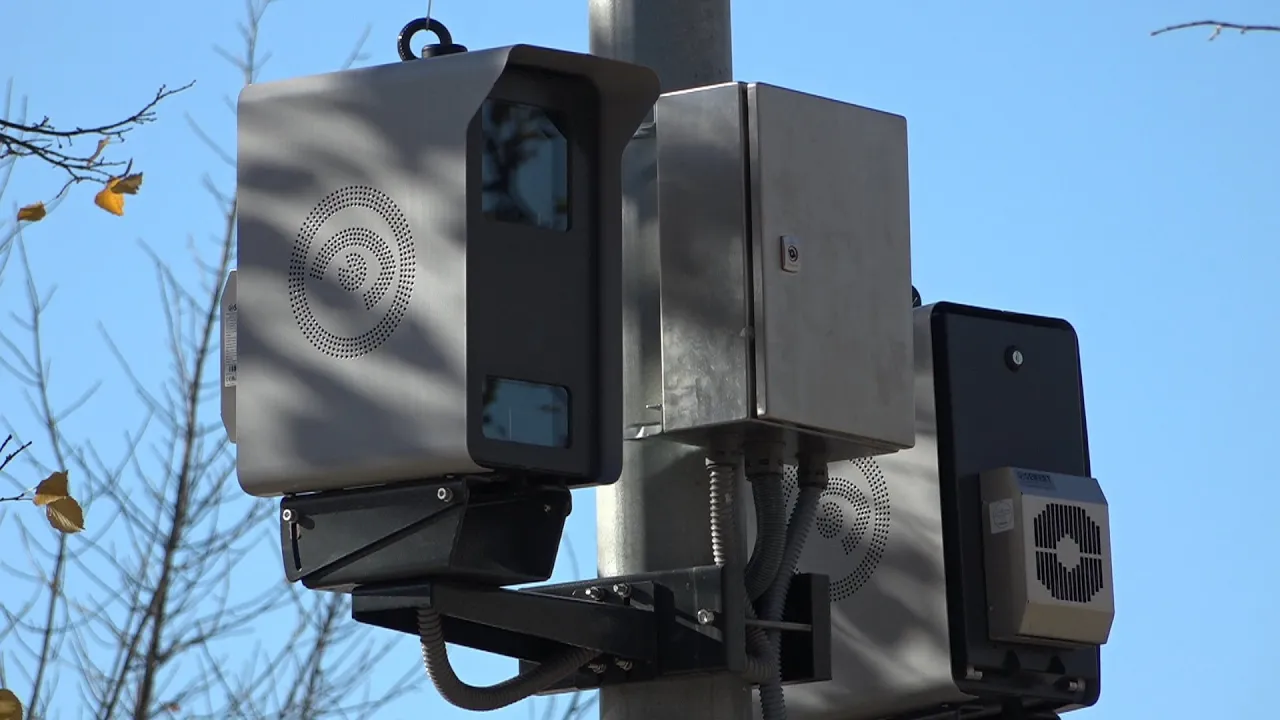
(428, 276)
(933, 612)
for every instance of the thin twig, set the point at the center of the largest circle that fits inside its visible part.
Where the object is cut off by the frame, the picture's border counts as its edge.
(9, 458)
(1218, 26)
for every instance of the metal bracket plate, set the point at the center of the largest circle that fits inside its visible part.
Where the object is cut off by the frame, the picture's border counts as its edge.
(646, 627)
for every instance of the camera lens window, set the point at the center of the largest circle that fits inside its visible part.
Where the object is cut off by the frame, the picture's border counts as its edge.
(526, 166)
(525, 412)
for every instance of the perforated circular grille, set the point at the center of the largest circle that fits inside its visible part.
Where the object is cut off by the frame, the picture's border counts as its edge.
(854, 513)
(342, 305)
(1068, 552)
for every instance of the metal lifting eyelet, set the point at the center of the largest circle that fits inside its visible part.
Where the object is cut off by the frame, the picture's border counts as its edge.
(446, 45)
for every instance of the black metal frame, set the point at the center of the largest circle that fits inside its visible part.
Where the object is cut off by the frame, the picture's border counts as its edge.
(646, 627)
(493, 530)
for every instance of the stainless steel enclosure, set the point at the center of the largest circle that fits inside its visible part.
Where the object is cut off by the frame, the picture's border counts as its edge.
(800, 206)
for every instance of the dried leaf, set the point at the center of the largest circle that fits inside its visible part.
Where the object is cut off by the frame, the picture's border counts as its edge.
(102, 145)
(127, 185)
(10, 706)
(65, 515)
(112, 202)
(54, 487)
(32, 213)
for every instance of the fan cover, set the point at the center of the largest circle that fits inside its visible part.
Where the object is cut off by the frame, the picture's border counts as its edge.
(1048, 558)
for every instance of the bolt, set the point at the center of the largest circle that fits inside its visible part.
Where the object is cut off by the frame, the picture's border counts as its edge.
(597, 667)
(971, 673)
(706, 617)
(287, 516)
(444, 494)
(1075, 685)
(622, 590)
(595, 593)
(623, 665)
(1014, 358)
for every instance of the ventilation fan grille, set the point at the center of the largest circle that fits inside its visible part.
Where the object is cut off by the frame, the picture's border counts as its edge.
(349, 246)
(853, 512)
(1069, 559)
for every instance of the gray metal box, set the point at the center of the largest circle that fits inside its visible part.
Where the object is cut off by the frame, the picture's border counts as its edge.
(785, 268)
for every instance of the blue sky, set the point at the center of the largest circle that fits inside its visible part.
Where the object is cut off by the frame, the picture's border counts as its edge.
(1062, 163)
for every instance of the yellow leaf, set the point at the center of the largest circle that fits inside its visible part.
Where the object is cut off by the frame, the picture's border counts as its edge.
(32, 213)
(52, 488)
(112, 202)
(10, 706)
(127, 185)
(65, 515)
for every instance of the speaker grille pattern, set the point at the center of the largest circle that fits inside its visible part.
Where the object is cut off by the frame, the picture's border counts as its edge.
(855, 513)
(1068, 553)
(375, 301)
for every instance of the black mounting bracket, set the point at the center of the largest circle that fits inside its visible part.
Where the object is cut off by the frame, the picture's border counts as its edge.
(646, 627)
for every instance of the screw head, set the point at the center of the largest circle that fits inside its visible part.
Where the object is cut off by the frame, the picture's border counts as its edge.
(444, 494)
(597, 667)
(622, 590)
(287, 515)
(1075, 686)
(1014, 358)
(623, 665)
(706, 617)
(595, 593)
(972, 674)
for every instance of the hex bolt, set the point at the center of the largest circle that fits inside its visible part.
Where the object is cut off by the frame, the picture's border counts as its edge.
(287, 515)
(597, 667)
(622, 590)
(971, 673)
(623, 665)
(595, 593)
(444, 494)
(706, 617)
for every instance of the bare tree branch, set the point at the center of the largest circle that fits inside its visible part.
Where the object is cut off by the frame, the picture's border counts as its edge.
(54, 145)
(151, 623)
(1218, 26)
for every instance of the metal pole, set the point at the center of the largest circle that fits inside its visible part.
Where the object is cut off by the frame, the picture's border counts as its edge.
(656, 516)
(689, 43)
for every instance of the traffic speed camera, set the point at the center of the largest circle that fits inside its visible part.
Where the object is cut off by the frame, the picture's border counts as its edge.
(429, 271)
(987, 543)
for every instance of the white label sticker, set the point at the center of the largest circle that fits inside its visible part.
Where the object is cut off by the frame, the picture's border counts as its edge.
(1001, 516)
(229, 354)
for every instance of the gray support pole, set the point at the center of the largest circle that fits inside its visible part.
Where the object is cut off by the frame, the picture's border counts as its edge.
(656, 516)
(689, 43)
